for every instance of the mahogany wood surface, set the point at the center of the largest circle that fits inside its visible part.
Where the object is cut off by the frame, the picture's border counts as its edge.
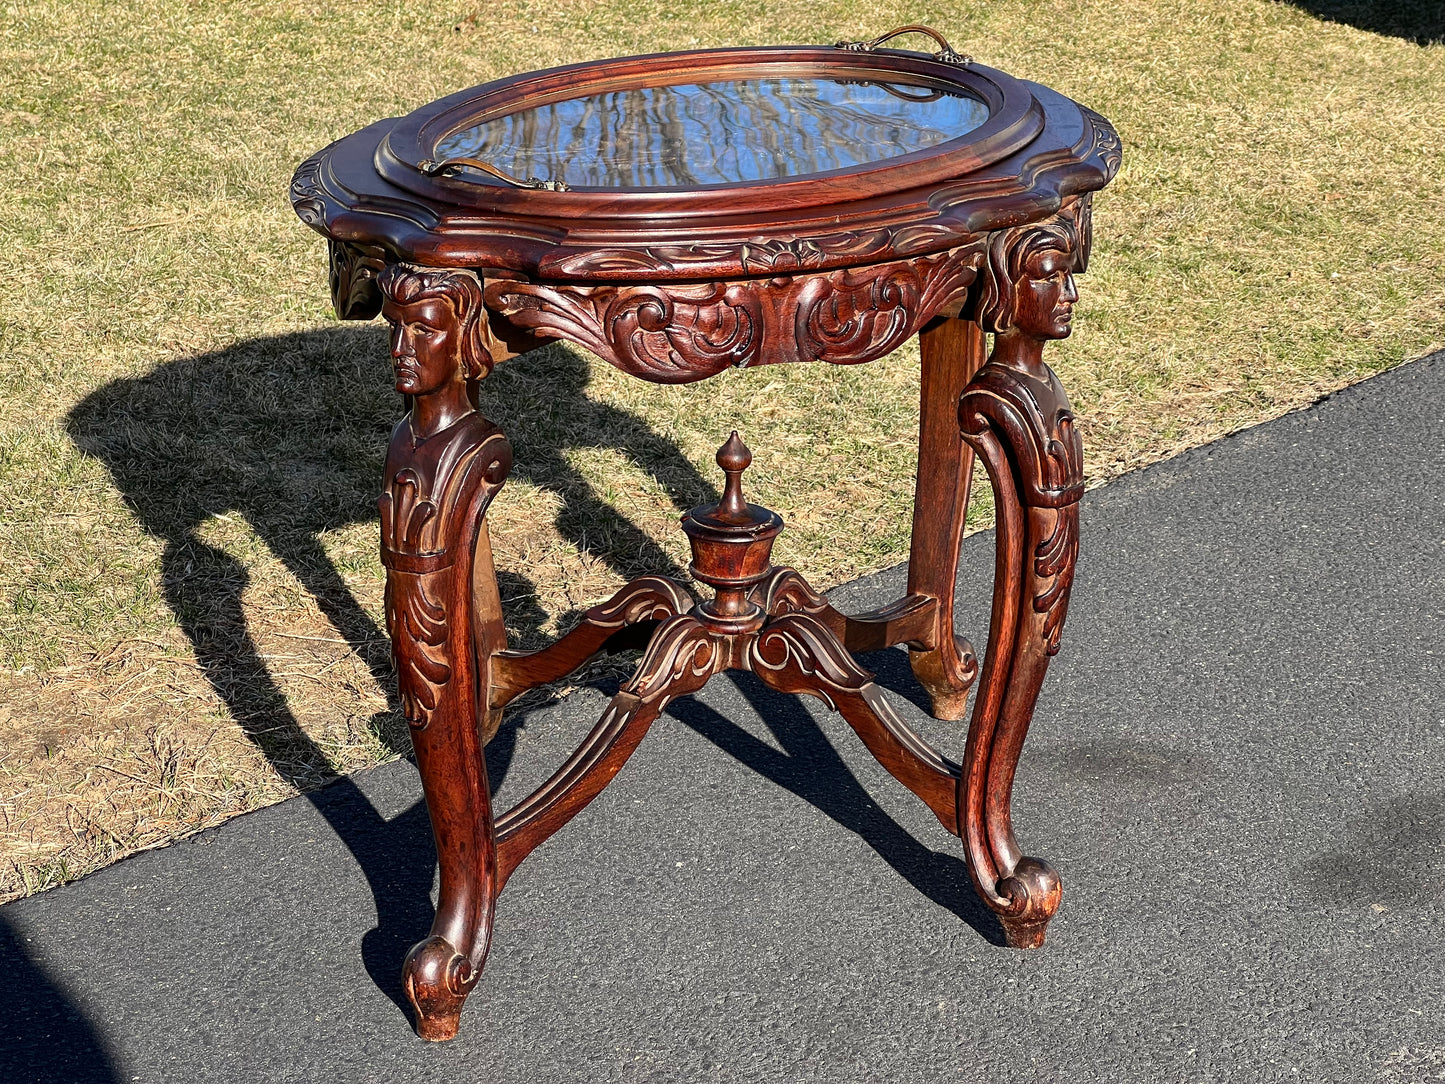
(951, 352)
(979, 234)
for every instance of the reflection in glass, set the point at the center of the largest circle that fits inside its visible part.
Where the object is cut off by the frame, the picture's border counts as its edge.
(692, 134)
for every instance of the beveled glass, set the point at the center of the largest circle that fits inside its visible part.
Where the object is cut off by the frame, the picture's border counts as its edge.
(685, 135)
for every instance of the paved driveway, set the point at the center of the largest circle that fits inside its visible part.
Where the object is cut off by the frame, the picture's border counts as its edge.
(1238, 765)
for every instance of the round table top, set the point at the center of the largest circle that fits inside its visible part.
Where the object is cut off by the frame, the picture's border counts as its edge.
(709, 164)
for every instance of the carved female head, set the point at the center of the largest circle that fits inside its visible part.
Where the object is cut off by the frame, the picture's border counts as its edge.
(437, 321)
(1028, 285)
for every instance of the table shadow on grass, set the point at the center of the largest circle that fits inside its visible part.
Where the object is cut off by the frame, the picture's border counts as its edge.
(1418, 21)
(288, 433)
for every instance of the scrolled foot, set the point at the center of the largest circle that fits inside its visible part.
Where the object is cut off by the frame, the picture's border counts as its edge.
(1034, 893)
(437, 979)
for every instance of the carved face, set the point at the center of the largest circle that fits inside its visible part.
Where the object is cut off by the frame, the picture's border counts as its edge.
(425, 344)
(1046, 295)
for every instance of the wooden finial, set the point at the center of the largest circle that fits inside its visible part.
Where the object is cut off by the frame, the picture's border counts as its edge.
(734, 458)
(732, 545)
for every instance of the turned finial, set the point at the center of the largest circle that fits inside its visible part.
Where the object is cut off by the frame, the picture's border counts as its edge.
(732, 542)
(734, 458)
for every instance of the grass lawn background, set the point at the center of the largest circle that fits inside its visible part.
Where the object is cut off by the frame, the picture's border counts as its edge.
(190, 443)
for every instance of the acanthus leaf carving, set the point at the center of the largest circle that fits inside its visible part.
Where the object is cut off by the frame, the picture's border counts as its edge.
(417, 625)
(1055, 558)
(424, 509)
(353, 273)
(852, 316)
(678, 333)
(667, 334)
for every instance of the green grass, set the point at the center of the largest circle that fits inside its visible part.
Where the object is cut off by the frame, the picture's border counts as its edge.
(189, 442)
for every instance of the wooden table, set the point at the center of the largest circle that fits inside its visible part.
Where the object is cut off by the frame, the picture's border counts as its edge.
(677, 215)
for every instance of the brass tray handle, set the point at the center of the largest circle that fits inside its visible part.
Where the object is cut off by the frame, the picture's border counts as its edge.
(433, 169)
(946, 53)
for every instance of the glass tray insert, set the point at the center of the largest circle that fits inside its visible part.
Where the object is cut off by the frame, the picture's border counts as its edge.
(685, 135)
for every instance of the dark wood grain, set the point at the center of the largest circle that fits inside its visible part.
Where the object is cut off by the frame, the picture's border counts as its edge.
(952, 351)
(980, 234)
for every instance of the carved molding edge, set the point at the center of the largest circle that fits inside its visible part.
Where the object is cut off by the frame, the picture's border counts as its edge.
(306, 190)
(756, 256)
(1107, 145)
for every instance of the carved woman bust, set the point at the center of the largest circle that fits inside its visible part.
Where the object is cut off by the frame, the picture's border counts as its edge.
(1028, 289)
(438, 354)
(444, 463)
(437, 344)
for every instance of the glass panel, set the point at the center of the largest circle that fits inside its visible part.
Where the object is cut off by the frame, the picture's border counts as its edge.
(692, 134)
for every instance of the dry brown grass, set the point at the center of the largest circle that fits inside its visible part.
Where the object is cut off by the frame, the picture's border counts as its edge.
(189, 592)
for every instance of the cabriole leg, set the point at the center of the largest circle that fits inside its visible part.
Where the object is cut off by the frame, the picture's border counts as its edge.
(444, 465)
(1037, 529)
(1015, 415)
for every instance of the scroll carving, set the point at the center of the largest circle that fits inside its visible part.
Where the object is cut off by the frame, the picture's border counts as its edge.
(675, 334)
(797, 653)
(785, 591)
(1106, 142)
(669, 334)
(306, 190)
(849, 316)
(679, 660)
(645, 599)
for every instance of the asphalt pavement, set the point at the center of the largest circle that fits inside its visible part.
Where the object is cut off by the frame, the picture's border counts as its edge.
(1237, 765)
